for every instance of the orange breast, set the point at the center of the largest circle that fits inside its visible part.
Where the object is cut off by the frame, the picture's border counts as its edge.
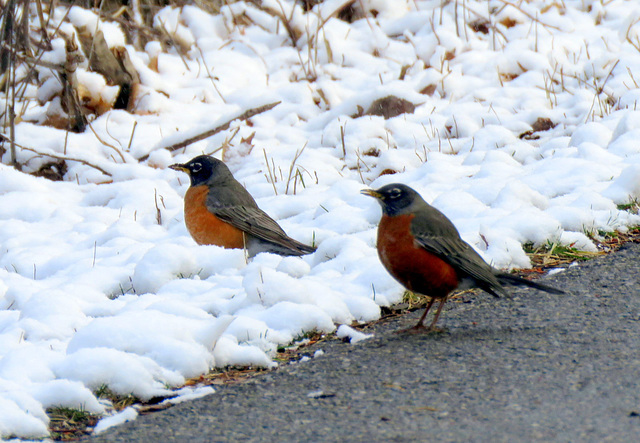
(414, 267)
(206, 228)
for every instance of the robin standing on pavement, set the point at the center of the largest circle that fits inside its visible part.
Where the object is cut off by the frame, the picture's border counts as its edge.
(422, 249)
(218, 210)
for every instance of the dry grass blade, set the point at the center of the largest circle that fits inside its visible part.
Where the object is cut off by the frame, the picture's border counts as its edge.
(293, 33)
(271, 174)
(225, 376)
(293, 163)
(68, 424)
(107, 144)
(550, 259)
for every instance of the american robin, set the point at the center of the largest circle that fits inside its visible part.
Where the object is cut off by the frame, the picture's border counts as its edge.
(218, 210)
(422, 249)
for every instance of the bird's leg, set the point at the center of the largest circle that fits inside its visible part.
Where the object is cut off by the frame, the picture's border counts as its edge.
(435, 319)
(424, 314)
(419, 327)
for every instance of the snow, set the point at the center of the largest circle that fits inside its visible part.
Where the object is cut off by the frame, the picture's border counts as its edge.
(127, 414)
(100, 283)
(353, 336)
(131, 412)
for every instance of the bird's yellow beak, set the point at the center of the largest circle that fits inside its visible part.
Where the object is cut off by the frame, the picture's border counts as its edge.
(371, 193)
(179, 167)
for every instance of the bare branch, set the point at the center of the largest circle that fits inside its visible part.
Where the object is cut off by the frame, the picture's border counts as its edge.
(244, 116)
(58, 156)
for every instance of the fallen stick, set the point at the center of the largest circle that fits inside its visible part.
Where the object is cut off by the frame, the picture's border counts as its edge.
(58, 156)
(244, 116)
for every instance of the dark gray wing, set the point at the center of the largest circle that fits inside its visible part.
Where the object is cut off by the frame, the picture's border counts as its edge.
(442, 239)
(253, 221)
(232, 203)
(257, 223)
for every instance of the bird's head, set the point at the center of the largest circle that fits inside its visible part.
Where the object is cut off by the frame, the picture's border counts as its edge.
(395, 199)
(203, 169)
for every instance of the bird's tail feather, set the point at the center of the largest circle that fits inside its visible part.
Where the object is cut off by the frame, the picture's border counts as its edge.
(519, 281)
(302, 249)
(287, 246)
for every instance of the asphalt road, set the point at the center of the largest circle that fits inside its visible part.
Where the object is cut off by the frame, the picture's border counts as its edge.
(537, 367)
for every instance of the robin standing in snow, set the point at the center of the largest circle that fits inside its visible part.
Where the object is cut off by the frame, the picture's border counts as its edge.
(422, 249)
(219, 211)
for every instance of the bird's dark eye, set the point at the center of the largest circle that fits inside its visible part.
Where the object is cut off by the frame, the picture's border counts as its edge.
(196, 167)
(395, 193)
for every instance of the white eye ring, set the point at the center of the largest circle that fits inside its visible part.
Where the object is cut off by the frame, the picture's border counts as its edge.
(196, 167)
(395, 193)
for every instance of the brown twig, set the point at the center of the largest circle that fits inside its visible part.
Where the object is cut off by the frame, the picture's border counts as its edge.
(70, 100)
(58, 156)
(107, 144)
(43, 25)
(535, 19)
(133, 131)
(175, 44)
(244, 116)
(12, 110)
(211, 77)
(8, 64)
